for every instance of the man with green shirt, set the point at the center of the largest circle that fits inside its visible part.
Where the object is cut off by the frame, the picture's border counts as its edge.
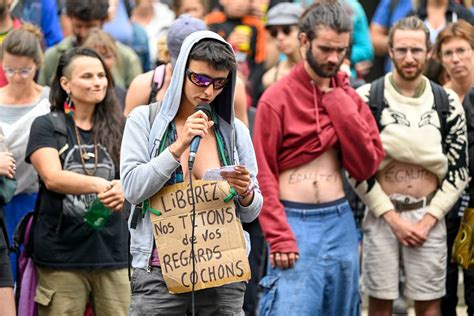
(84, 15)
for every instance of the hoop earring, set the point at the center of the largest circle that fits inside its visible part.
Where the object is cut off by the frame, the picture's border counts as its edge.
(69, 107)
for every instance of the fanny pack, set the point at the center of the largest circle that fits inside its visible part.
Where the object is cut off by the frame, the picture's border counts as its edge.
(463, 249)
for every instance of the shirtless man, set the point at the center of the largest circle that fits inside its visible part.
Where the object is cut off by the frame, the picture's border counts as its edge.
(417, 183)
(309, 125)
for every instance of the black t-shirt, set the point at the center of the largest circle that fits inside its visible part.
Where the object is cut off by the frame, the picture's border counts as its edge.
(61, 237)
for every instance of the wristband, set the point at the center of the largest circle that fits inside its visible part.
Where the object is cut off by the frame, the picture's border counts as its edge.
(247, 192)
(174, 155)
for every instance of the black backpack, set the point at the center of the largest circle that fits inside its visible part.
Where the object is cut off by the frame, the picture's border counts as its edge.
(377, 104)
(58, 119)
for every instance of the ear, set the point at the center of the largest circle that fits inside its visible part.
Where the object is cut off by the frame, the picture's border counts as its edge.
(64, 82)
(390, 53)
(303, 38)
(429, 53)
(304, 43)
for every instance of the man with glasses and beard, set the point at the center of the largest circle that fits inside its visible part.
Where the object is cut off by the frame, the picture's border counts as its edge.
(309, 125)
(423, 131)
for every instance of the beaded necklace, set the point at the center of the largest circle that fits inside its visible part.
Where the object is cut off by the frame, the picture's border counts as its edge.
(84, 155)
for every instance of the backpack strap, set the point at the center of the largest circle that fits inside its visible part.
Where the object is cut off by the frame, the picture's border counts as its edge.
(441, 102)
(376, 100)
(157, 82)
(58, 119)
(153, 110)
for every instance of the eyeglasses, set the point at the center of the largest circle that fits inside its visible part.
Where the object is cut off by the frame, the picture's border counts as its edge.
(461, 52)
(204, 81)
(285, 29)
(401, 52)
(23, 72)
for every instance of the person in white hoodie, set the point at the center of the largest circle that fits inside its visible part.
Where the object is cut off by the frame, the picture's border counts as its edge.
(155, 153)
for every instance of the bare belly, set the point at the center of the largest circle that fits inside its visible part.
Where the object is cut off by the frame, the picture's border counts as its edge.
(408, 179)
(318, 181)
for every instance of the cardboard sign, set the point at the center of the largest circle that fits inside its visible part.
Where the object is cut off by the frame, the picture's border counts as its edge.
(219, 244)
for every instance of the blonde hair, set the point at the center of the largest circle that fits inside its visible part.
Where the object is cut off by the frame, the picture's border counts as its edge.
(26, 41)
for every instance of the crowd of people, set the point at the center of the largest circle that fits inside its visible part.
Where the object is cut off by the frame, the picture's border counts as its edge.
(345, 143)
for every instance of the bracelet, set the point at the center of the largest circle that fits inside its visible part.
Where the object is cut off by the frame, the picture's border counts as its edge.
(247, 192)
(174, 155)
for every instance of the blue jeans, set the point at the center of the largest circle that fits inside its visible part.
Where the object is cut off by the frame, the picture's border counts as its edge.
(325, 279)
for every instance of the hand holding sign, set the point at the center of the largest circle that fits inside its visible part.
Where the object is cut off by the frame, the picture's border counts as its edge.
(220, 250)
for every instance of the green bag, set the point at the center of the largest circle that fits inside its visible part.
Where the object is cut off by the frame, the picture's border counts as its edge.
(463, 249)
(7, 189)
(97, 215)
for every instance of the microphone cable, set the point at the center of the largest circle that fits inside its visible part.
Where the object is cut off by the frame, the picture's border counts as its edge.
(193, 221)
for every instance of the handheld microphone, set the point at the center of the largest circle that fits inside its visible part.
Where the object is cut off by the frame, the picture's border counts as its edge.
(206, 108)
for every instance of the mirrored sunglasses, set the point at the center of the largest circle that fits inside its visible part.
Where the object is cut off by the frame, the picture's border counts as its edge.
(204, 81)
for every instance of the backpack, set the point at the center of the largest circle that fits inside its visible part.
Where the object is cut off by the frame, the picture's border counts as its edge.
(26, 276)
(157, 82)
(377, 104)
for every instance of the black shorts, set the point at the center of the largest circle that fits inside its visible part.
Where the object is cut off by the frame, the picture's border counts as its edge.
(6, 279)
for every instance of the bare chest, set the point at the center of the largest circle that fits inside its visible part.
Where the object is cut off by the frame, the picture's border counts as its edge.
(207, 157)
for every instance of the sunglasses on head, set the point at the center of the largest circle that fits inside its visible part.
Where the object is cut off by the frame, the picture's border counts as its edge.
(204, 81)
(286, 29)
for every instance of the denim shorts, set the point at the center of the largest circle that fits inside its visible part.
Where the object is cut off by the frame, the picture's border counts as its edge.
(325, 279)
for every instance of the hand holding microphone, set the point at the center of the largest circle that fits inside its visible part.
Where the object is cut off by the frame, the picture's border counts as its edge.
(196, 127)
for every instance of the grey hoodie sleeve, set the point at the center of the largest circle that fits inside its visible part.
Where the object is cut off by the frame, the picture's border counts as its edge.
(141, 176)
(247, 158)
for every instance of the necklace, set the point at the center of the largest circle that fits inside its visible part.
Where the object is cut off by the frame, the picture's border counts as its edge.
(84, 155)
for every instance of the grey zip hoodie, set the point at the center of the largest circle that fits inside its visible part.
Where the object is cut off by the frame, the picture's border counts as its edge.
(144, 171)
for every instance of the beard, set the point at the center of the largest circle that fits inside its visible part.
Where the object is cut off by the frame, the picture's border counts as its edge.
(324, 70)
(419, 67)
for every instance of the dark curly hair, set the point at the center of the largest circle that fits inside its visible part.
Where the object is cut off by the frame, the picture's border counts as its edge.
(87, 10)
(328, 13)
(108, 119)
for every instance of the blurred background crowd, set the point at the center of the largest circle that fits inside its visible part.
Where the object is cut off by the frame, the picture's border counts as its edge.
(139, 41)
